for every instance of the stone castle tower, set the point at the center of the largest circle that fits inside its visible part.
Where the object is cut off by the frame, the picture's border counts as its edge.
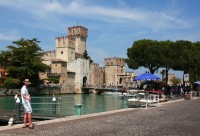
(96, 75)
(72, 45)
(114, 70)
(79, 35)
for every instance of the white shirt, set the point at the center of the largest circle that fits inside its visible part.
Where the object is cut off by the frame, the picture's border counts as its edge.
(24, 91)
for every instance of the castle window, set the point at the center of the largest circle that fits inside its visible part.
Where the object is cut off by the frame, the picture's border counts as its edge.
(61, 52)
(83, 39)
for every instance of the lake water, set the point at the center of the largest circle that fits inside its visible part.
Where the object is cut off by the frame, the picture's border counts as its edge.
(64, 104)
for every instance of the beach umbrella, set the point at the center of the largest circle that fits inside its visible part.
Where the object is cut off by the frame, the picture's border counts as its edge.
(197, 82)
(146, 76)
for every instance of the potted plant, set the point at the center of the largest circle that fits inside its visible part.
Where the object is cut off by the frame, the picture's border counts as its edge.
(187, 96)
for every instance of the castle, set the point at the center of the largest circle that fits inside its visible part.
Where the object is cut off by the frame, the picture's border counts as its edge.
(76, 72)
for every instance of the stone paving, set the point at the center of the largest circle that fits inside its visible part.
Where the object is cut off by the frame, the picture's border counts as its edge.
(174, 118)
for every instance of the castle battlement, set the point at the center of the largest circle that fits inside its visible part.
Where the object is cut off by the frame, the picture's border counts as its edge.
(114, 61)
(48, 55)
(63, 41)
(79, 31)
(95, 64)
(61, 38)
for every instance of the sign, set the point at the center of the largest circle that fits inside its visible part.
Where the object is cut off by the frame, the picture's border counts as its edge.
(186, 77)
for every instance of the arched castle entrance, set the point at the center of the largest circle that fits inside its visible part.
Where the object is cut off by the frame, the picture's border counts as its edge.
(84, 81)
(120, 80)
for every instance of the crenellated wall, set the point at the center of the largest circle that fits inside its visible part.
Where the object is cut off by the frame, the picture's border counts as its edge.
(114, 69)
(114, 61)
(79, 31)
(48, 56)
(79, 34)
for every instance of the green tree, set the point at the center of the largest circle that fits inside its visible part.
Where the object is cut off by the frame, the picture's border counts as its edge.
(144, 53)
(23, 60)
(163, 74)
(86, 56)
(175, 81)
(180, 55)
(194, 70)
(166, 59)
(10, 83)
(183, 55)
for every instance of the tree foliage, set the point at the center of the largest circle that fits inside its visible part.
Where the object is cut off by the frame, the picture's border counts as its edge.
(144, 53)
(10, 83)
(179, 55)
(175, 81)
(23, 60)
(86, 56)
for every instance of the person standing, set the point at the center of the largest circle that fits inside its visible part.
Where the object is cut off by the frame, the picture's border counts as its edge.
(26, 101)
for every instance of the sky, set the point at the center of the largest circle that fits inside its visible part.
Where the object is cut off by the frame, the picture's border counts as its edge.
(113, 25)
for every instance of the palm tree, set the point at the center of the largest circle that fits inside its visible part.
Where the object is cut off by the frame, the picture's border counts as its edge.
(163, 74)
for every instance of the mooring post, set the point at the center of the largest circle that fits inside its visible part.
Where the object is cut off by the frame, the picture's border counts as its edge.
(54, 105)
(171, 94)
(78, 109)
(17, 108)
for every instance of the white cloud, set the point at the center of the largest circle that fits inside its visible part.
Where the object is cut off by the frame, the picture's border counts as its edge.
(49, 10)
(8, 37)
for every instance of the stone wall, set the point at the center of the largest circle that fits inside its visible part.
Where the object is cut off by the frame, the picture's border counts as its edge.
(114, 69)
(81, 68)
(94, 75)
(61, 48)
(71, 82)
(79, 34)
(101, 76)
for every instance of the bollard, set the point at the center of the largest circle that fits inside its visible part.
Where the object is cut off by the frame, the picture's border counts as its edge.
(17, 107)
(171, 94)
(17, 111)
(10, 122)
(54, 105)
(78, 109)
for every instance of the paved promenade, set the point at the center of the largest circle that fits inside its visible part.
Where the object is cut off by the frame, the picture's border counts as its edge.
(179, 118)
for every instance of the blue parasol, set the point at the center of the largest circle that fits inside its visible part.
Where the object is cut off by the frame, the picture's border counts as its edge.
(146, 76)
(197, 82)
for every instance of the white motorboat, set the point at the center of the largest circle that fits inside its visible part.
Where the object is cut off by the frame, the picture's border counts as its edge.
(143, 99)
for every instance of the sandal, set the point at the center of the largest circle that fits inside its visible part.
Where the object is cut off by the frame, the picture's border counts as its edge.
(31, 127)
(25, 126)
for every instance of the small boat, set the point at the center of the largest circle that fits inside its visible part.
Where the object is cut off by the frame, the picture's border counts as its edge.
(126, 96)
(111, 93)
(143, 100)
(133, 103)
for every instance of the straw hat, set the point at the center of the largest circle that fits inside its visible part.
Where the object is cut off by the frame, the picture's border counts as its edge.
(27, 81)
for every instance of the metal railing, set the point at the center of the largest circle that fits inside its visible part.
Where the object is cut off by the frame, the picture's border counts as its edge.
(52, 107)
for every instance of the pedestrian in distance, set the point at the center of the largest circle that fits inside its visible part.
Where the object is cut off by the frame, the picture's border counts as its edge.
(26, 101)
